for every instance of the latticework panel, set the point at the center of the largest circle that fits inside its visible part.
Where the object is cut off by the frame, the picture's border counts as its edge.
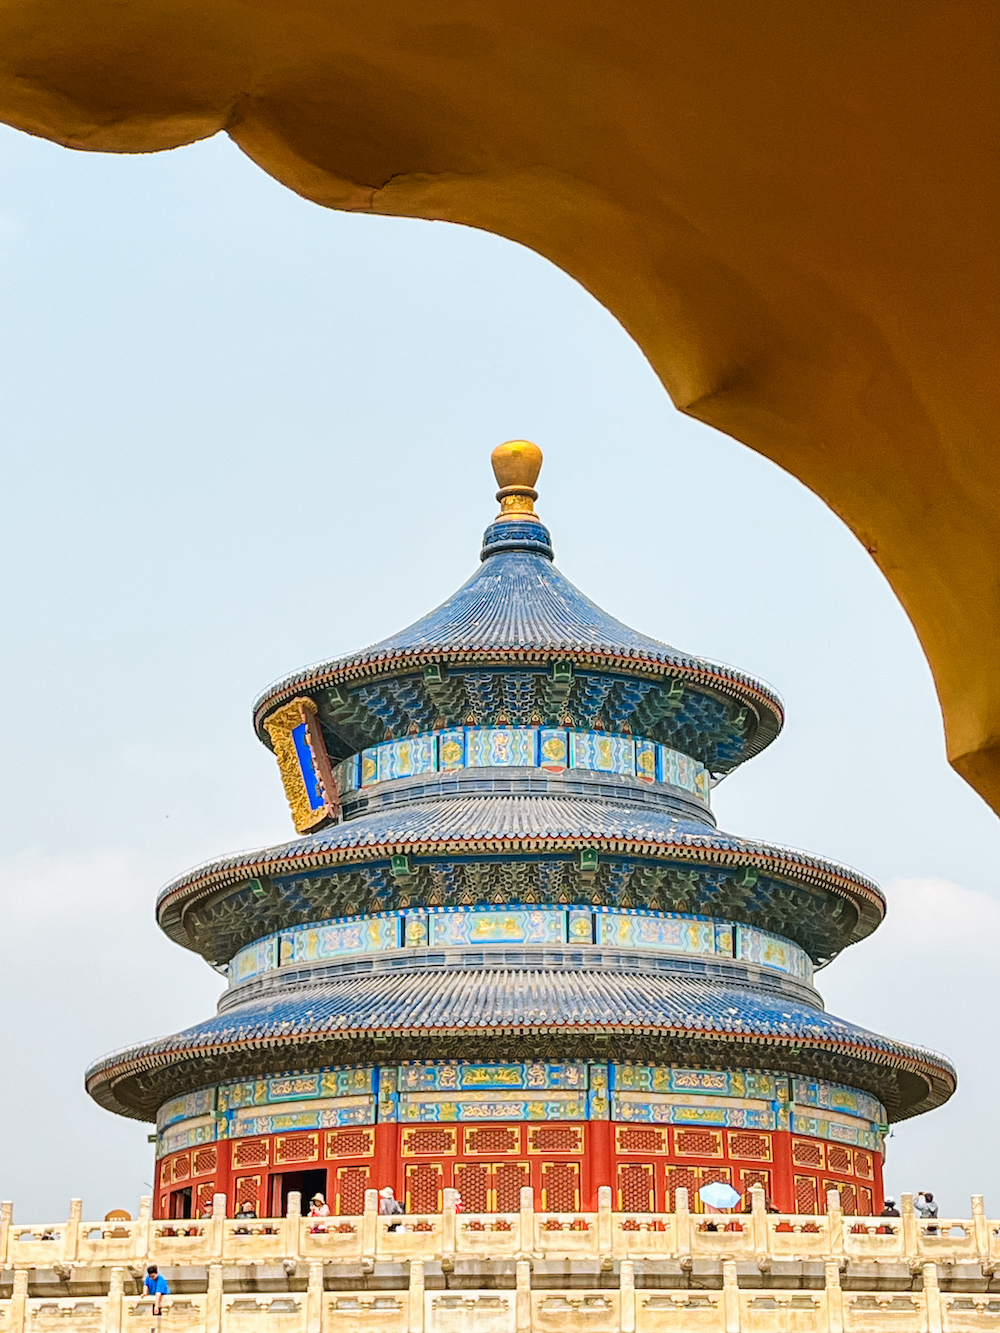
(182, 1167)
(297, 1148)
(423, 1187)
(863, 1165)
(560, 1187)
(247, 1190)
(697, 1143)
(682, 1178)
(473, 1180)
(806, 1195)
(352, 1181)
(205, 1160)
(839, 1159)
(555, 1138)
(430, 1142)
(493, 1139)
(250, 1152)
(350, 1143)
(807, 1152)
(750, 1147)
(508, 1180)
(640, 1139)
(206, 1192)
(635, 1187)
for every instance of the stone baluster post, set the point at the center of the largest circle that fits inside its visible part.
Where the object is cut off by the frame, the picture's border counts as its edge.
(293, 1224)
(113, 1310)
(731, 1296)
(449, 1226)
(605, 1237)
(834, 1297)
(19, 1301)
(522, 1311)
(626, 1293)
(909, 1219)
(527, 1244)
(218, 1234)
(6, 1218)
(760, 1233)
(932, 1298)
(835, 1223)
(140, 1234)
(416, 1296)
(369, 1226)
(213, 1300)
(71, 1240)
(683, 1218)
(979, 1226)
(314, 1298)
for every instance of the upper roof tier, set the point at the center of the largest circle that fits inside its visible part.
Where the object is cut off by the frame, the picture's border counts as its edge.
(518, 644)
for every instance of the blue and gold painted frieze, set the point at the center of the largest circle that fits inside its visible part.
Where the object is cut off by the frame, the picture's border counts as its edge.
(442, 927)
(553, 749)
(471, 1091)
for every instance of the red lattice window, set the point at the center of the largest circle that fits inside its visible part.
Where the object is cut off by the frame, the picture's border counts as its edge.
(247, 1191)
(473, 1181)
(805, 1195)
(206, 1159)
(555, 1138)
(751, 1178)
(863, 1165)
(752, 1147)
(639, 1139)
(429, 1142)
(708, 1175)
(839, 1159)
(182, 1167)
(806, 1152)
(848, 1198)
(297, 1148)
(635, 1187)
(423, 1188)
(865, 1205)
(560, 1187)
(508, 1181)
(697, 1143)
(350, 1143)
(166, 1173)
(682, 1178)
(250, 1152)
(352, 1181)
(206, 1193)
(493, 1139)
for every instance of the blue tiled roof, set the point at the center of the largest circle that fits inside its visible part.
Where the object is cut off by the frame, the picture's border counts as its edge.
(509, 1000)
(465, 823)
(518, 601)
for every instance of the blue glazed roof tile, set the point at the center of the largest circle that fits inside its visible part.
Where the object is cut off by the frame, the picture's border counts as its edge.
(513, 999)
(518, 601)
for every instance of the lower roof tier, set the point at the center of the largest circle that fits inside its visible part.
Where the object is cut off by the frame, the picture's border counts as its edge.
(517, 1014)
(463, 849)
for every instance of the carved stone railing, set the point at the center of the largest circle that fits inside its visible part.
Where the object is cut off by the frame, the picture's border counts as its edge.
(909, 1257)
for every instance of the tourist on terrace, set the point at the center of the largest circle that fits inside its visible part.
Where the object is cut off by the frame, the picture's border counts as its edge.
(389, 1206)
(926, 1207)
(889, 1208)
(318, 1207)
(156, 1287)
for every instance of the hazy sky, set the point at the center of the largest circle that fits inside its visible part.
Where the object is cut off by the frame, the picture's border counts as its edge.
(241, 433)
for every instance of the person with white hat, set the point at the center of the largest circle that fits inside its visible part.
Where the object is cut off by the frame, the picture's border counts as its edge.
(389, 1206)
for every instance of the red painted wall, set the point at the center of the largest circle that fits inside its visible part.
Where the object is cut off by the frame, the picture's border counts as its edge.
(565, 1162)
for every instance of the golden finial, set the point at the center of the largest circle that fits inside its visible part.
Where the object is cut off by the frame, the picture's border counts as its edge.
(516, 466)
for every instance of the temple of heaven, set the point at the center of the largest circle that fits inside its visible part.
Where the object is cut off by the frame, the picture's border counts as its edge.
(508, 945)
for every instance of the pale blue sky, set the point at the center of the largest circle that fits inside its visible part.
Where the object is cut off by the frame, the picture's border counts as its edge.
(241, 433)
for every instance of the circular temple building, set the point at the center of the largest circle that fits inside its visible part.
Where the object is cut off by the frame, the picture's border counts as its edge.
(509, 945)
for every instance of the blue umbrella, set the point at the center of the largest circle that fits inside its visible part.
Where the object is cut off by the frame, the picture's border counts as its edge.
(718, 1195)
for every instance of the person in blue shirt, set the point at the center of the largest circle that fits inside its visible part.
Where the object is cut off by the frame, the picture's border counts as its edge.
(156, 1287)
